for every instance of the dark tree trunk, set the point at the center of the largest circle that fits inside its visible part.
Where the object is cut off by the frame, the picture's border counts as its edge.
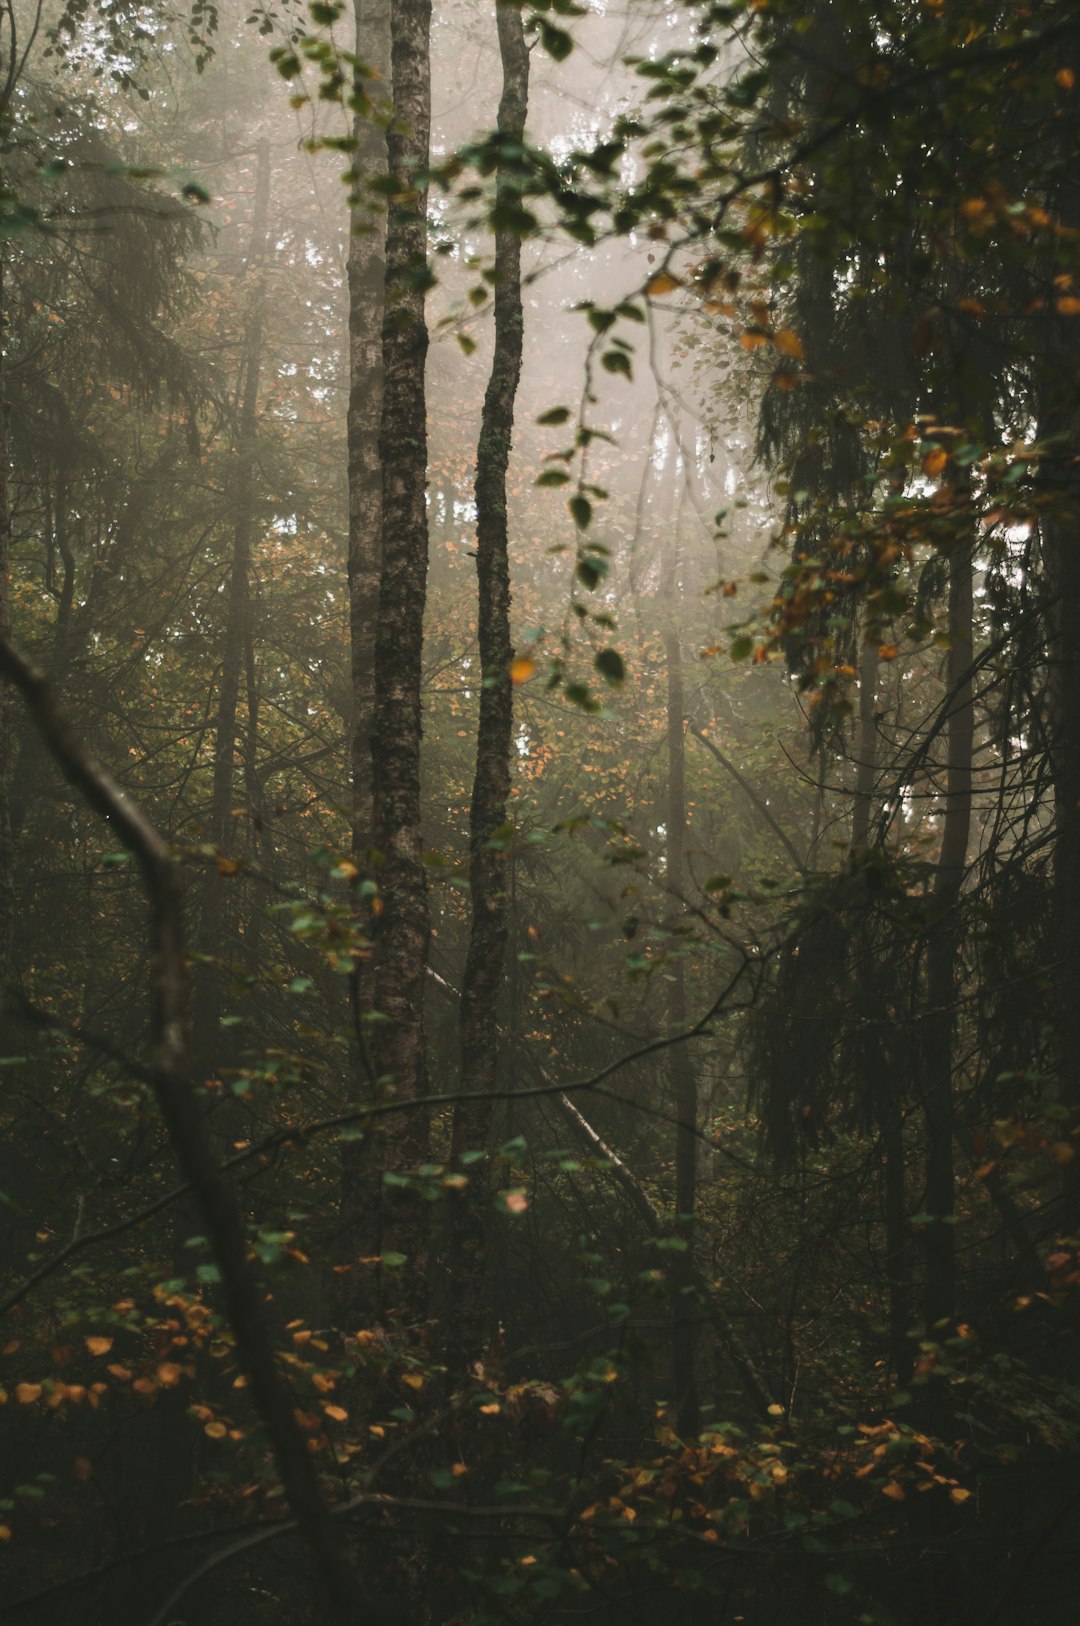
(367, 301)
(7, 911)
(488, 856)
(367, 308)
(401, 954)
(206, 1004)
(943, 943)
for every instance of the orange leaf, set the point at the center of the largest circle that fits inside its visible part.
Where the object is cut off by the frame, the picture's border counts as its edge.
(27, 1393)
(413, 1379)
(888, 652)
(338, 1413)
(215, 1431)
(5, 1532)
(169, 1374)
(959, 1494)
(662, 283)
(789, 344)
(893, 1491)
(522, 669)
(1065, 78)
(98, 1345)
(1069, 305)
(934, 461)
(82, 1468)
(751, 341)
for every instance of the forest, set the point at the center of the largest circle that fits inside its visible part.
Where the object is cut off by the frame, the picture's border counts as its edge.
(539, 812)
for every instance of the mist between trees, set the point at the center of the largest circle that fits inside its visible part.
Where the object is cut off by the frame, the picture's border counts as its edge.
(540, 812)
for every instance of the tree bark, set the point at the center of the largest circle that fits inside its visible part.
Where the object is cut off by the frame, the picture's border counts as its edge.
(681, 1075)
(7, 909)
(367, 303)
(488, 857)
(206, 1013)
(404, 925)
(944, 942)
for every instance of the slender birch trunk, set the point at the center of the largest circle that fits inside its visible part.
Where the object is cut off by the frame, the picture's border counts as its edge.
(488, 857)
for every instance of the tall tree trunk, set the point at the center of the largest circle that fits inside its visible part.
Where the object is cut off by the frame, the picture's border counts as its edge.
(7, 909)
(206, 1012)
(488, 857)
(404, 924)
(367, 305)
(360, 1190)
(681, 1074)
(944, 937)
(866, 749)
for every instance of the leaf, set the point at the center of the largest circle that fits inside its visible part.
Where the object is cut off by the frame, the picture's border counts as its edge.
(610, 663)
(552, 477)
(27, 1393)
(1069, 305)
(581, 511)
(521, 669)
(661, 283)
(337, 1414)
(515, 1202)
(893, 1491)
(789, 344)
(558, 414)
(415, 1380)
(169, 1374)
(215, 1431)
(82, 1468)
(934, 462)
(392, 1260)
(958, 1494)
(98, 1345)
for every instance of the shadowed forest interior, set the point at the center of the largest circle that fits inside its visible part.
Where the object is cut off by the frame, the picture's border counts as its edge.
(539, 812)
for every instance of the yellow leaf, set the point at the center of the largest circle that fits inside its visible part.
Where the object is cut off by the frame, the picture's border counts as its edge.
(893, 1491)
(662, 283)
(215, 1431)
(27, 1393)
(934, 462)
(1062, 1153)
(337, 1413)
(413, 1379)
(1065, 78)
(1069, 305)
(789, 344)
(491, 1410)
(98, 1345)
(751, 340)
(5, 1532)
(522, 669)
(959, 1494)
(169, 1374)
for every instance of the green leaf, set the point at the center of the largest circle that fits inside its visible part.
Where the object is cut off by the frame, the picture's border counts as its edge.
(558, 414)
(581, 509)
(552, 477)
(610, 663)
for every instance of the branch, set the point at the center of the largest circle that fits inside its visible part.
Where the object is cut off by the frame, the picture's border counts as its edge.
(748, 789)
(179, 1107)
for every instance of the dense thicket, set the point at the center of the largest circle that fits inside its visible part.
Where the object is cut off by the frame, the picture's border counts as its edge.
(539, 812)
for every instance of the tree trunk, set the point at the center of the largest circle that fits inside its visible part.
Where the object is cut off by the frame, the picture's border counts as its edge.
(206, 1011)
(7, 910)
(944, 942)
(488, 856)
(367, 302)
(681, 1075)
(404, 926)
(360, 1193)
